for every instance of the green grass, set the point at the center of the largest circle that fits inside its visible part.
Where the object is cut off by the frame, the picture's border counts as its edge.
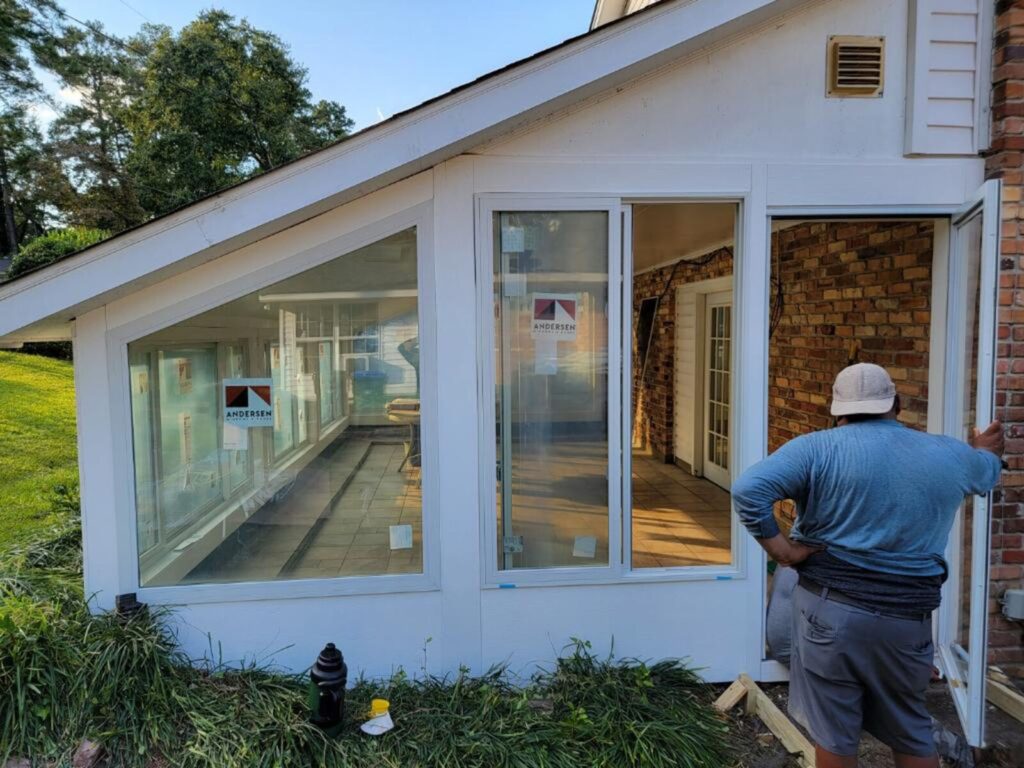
(37, 441)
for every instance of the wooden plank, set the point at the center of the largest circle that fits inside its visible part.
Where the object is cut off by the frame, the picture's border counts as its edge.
(731, 696)
(1006, 698)
(792, 739)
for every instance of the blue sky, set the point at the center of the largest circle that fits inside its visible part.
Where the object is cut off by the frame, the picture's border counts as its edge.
(376, 57)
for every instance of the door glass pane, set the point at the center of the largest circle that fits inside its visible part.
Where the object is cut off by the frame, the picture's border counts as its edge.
(551, 352)
(969, 236)
(717, 406)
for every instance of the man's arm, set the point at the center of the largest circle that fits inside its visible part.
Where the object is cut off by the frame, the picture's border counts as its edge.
(783, 475)
(983, 471)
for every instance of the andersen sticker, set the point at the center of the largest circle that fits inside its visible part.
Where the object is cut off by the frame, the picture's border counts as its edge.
(247, 403)
(554, 316)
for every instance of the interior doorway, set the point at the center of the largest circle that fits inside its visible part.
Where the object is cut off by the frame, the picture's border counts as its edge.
(681, 271)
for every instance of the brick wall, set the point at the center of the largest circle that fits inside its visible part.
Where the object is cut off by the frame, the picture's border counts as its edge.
(1005, 160)
(852, 292)
(855, 292)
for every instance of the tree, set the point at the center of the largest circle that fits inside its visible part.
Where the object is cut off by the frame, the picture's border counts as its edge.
(221, 102)
(26, 36)
(91, 138)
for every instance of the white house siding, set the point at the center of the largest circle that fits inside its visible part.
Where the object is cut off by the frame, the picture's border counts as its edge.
(947, 101)
(759, 95)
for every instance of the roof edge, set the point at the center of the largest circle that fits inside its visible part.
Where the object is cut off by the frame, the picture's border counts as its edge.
(401, 146)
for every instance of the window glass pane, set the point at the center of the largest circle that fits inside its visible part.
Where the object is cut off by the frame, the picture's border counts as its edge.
(277, 436)
(142, 405)
(551, 303)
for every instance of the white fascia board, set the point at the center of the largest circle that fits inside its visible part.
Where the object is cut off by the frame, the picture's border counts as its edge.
(369, 161)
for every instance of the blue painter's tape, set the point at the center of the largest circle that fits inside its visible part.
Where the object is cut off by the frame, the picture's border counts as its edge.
(723, 578)
(506, 586)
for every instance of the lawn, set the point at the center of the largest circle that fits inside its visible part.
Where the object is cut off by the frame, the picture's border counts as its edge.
(37, 441)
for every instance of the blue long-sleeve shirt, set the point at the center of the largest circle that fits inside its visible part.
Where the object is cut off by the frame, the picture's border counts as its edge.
(876, 494)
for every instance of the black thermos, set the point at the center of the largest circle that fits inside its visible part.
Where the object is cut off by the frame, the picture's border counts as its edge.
(328, 678)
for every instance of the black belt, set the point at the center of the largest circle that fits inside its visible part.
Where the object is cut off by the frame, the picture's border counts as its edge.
(841, 597)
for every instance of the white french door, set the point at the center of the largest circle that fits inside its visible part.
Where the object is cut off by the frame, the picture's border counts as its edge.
(717, 388)
(970, 401)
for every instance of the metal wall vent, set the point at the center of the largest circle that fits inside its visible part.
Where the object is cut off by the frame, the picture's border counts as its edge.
(856, 66)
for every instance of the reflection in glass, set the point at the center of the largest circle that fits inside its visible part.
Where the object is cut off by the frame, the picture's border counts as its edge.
(551, 352)
(332, 487)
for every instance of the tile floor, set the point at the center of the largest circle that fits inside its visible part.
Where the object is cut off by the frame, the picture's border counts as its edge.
(317, 532)
(355, 537)
(678, 519)
(334, 520)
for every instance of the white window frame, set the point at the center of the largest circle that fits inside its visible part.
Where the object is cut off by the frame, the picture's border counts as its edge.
(487, 206)
(619, 569)
(421, 217)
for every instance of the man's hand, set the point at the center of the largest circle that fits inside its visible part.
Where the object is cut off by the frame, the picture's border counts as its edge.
(786, 552)
(991, 440)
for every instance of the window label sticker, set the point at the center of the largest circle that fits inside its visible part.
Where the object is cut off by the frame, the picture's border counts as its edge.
(554, 316)
(247, 403)
(401, 536)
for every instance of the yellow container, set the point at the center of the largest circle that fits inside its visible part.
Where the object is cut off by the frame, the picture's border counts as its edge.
(379, 707)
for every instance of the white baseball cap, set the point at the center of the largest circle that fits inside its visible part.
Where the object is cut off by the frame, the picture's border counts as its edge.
(863, 388)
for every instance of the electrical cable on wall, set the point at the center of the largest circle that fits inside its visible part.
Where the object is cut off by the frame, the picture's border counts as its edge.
(701, 262)
(644, 345)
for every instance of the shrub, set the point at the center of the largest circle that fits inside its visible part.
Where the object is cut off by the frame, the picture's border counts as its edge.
(66, 675)
(52, 247)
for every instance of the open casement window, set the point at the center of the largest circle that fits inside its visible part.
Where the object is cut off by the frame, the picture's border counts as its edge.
(970, 385)
(276, 436)
(551, 418)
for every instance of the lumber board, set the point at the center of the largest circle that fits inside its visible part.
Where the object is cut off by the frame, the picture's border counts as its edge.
(1006, 698)
(792, 739)
(731, 696)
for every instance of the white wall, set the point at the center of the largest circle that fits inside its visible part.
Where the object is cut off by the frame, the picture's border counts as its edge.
(760, 95)
(951, 77)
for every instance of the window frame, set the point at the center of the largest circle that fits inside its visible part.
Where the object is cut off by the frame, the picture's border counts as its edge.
(619, 569)
(419, 217)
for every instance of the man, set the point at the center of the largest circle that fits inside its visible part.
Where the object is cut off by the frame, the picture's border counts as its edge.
(875, 504)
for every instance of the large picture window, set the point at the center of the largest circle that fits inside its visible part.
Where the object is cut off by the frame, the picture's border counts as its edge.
(277, 436)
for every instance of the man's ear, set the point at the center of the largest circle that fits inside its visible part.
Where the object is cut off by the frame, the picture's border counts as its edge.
(896, 407)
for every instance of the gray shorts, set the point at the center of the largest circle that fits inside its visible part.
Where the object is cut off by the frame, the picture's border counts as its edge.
(854, 670)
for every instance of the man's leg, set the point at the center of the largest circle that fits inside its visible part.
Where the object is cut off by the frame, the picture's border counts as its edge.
(911, 761)
(825, 759)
